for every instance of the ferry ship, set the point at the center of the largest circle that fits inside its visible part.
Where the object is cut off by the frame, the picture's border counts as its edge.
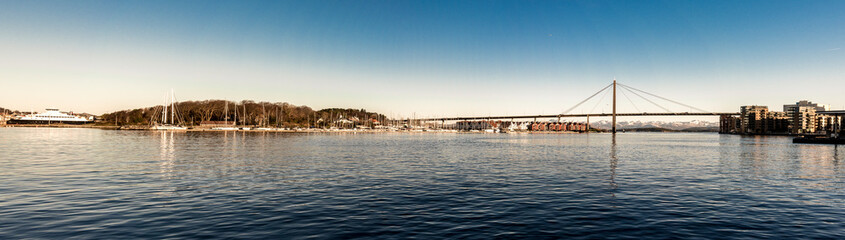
(52, 115)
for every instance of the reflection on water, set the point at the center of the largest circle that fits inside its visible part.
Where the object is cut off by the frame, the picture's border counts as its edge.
(613, 162)
(774, 157)
(167, 149)
(85, 183)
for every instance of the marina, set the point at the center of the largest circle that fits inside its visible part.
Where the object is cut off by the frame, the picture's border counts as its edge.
(421, 119)
(808, 122)
(171, 119)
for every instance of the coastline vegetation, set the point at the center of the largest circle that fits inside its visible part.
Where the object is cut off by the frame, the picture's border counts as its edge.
(4, 111)
(249, 113)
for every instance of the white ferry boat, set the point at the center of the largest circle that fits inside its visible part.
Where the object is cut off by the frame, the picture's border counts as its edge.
(52, 115)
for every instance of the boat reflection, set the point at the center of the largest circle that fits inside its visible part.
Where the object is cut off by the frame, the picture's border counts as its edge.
(167, 152)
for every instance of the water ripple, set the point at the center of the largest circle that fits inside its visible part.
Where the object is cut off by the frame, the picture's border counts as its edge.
(85, 183)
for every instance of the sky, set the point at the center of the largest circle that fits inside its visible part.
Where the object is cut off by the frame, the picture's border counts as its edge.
(422, 58)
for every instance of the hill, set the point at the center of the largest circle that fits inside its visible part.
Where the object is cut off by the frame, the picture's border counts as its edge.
(701, 129)
(249, 112)
(7, 111)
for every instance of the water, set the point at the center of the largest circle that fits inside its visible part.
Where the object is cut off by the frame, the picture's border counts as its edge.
(88, 183)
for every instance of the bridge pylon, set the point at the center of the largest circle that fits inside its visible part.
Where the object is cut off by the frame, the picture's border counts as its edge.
(613, 127)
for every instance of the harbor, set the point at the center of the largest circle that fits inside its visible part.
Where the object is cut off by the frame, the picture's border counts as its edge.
(420, 119)
(806, 121)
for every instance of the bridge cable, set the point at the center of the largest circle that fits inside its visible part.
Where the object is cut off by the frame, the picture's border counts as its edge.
(585, 100)
(599, 101)
(697, 109)
(629, 100)
(652, 102)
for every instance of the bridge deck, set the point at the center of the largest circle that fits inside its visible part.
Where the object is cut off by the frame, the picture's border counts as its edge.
(573, 115)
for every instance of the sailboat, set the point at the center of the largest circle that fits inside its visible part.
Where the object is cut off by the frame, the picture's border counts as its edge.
(243, 117)
(226, 119)
(169, 108)
(264, 120)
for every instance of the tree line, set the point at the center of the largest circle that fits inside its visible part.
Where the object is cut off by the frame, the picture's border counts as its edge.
(247, 112)
(9, 111)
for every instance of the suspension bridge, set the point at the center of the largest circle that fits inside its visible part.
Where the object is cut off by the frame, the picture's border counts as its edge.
(613, 114)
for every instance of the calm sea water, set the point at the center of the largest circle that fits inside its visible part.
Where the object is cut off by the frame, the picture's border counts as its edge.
(88, 183)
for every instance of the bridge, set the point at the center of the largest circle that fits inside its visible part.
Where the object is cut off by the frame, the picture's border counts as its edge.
(576, 115)
(613, 114)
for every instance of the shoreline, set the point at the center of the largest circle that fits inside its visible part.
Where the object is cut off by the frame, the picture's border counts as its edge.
(330, 131)
(138, 128)
(59, 126)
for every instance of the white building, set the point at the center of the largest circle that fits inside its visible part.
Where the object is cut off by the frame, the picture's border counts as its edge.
(803, 118)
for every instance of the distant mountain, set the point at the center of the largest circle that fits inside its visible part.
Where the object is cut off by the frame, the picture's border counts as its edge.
(649, 129)
(701, 129)
(690, 126)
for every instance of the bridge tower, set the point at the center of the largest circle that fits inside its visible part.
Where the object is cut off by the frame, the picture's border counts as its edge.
(613, 127)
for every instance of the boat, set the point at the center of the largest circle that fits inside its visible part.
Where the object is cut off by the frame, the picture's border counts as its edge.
(264, 126)
(819, 140)
(836, 136)
(226, 119)
(52, 115)
(168, 127)
(833, 138)
(169, 108)
(234, 126)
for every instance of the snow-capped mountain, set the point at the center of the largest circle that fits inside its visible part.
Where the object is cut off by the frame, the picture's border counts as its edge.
(605, 124)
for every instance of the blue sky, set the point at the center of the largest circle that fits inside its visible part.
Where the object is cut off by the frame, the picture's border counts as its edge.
(432, 58)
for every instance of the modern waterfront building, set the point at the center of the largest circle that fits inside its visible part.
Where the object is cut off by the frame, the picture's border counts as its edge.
(729, 124)
(836, 122)
(750, 117)
(759, 120)
(803, 117)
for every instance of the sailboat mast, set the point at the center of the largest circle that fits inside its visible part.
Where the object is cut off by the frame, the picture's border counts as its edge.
(226, 113)
(164, 110)
(172, 113)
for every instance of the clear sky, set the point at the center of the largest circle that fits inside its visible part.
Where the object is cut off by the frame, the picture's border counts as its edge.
(432, 58)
